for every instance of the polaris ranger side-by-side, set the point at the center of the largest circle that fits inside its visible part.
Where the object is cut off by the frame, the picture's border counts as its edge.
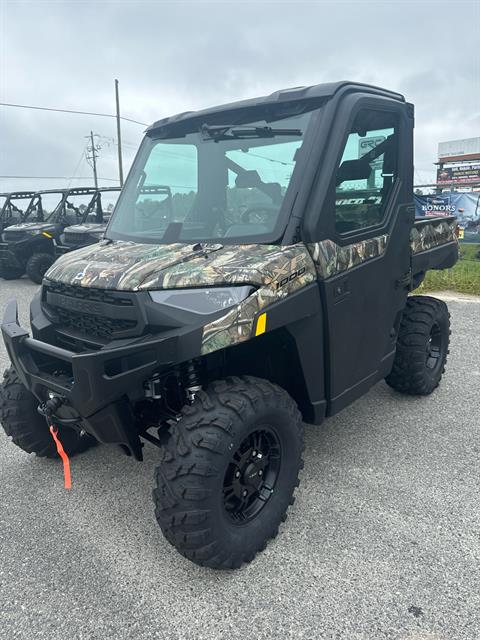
(92, 225)
(15, 206)
(30, 245)
(277, 290)
(157, 201)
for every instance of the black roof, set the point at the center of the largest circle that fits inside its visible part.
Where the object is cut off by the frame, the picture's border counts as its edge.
(18, 194)
(78, 190)
(72, 190)
(315, 93)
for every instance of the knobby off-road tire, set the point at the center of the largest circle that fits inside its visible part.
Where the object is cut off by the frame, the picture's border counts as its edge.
(37, 266)
(237, 424)
(11, 273)
(27, 428)
(422, 346)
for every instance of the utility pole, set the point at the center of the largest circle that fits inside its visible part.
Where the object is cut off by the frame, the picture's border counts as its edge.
(119, 135)
(93, 150)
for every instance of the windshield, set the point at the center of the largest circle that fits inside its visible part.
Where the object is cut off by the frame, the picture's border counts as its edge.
(221, 183)
(50, 201)
(16, 208)
(70, 208)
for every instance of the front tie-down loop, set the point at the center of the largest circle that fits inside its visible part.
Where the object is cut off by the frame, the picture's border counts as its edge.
(63, 455)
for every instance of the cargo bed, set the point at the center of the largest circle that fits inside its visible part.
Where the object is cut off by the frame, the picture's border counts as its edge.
(434, 244)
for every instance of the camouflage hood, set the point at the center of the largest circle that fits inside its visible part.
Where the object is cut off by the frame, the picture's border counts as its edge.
(90, 227)
(134, 267)
(31, 226)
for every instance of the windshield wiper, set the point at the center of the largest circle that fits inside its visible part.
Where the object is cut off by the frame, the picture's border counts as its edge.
(234, 132)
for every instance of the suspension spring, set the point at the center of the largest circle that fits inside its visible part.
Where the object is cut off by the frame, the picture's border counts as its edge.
(192, 379)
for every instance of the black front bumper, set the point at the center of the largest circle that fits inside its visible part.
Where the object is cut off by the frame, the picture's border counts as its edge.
(98, 387)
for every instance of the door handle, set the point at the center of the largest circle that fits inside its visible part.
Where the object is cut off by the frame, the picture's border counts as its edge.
(341, 290)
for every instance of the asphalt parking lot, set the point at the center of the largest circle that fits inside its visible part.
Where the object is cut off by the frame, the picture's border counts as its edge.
(382, 542)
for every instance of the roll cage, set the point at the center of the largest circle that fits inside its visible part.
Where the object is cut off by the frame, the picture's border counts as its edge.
(9, 208)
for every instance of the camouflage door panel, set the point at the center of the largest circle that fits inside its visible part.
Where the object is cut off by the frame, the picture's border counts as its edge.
(331, 258)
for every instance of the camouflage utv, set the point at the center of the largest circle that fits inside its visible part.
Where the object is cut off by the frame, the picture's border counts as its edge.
(274, 291)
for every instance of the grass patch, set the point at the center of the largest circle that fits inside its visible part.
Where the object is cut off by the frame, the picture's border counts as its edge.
(463, 278)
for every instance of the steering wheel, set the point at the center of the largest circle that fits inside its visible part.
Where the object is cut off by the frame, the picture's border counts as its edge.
(259, 213)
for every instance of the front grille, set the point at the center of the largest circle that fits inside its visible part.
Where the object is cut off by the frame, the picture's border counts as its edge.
(14, 236)
(85, 293)
(78, 238)
(90, 325)
(92, 313)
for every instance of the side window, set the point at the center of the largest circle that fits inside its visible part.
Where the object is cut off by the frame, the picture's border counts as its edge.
(367, 171)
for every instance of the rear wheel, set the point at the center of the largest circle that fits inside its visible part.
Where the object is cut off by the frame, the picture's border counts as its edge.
(37, 266)
(11, 273)
(228, 473)
(27, 428)
(422, 346)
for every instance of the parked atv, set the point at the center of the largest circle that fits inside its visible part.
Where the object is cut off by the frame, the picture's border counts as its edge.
(96, 217)
(276, 292)
(92, 225)
(29, 246)
(15, 208)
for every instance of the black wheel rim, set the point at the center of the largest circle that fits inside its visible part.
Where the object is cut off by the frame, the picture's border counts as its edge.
(434, 348)
(251, 475)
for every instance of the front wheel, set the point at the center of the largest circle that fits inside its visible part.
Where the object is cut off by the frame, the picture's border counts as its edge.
(11, 273)
(422, 346)
(228, 473)
(38, 265)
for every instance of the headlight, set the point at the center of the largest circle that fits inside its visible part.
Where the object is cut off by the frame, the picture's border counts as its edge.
(203, 301)
(32, 232)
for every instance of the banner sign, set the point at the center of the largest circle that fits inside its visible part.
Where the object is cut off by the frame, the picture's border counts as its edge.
(463, 174)
(465, 206)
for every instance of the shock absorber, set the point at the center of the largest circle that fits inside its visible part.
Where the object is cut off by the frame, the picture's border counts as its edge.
(191, 377)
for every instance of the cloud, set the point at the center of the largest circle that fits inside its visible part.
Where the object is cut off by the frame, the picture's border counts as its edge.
(177, 56)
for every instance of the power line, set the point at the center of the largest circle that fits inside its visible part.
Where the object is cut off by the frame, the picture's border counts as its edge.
(83, 113)
(56, 178)
(77, 167)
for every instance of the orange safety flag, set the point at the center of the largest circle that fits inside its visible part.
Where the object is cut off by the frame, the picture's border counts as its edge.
(66, 462)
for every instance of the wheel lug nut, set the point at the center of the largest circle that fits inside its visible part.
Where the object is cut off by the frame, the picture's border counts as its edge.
(254, 453)
(237, 474)
(260, 473)
(245, 493)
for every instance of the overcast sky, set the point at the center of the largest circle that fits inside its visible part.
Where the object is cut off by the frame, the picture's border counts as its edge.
(179, 56)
